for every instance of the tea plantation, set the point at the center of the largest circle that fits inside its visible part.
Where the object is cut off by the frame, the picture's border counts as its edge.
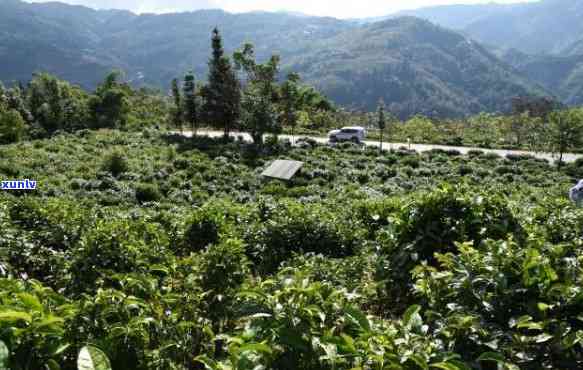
(148, 250)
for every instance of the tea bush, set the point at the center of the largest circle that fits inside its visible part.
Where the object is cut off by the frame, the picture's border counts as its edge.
(115, 163)
(174, 253)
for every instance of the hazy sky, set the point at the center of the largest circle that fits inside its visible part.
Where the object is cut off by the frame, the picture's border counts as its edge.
(334, 8)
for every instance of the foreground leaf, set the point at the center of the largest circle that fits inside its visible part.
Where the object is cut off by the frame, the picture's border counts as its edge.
(92, 358)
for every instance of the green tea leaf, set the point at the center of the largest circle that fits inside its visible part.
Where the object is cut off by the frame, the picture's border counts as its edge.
(411, 316)
(13, 316)
(92, 358)
(4, 356)
(358, 318)
(491, 356)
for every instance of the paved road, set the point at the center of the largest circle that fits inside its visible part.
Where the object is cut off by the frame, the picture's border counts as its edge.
(417, 147)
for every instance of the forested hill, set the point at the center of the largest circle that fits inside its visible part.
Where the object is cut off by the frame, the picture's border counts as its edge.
(408, 62)
(415, 67)
(562, 74)
(540, 27)
(543, 40)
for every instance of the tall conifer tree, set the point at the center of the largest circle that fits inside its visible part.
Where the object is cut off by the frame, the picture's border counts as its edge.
(177, 111)
(222, 94)
(381, 121)
(190, 104)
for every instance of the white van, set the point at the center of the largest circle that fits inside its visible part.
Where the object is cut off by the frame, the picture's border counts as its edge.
(355, 134)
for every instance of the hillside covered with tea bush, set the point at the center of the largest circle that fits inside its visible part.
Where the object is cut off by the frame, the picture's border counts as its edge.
(162, 252)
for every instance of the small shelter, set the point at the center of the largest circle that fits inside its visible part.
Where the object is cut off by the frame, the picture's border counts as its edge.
(282, 170)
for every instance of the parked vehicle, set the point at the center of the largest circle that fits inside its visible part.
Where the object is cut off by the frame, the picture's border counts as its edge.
(355, 134)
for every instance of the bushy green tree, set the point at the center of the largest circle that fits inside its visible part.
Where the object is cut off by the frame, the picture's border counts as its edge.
(419, 129)
(259, 113)
(289, 102)
(565, 131)
(12, 126)
(3, 97)
(55, 104)
(312, 99)
(222, 94)
(110, 107)
(14, 98)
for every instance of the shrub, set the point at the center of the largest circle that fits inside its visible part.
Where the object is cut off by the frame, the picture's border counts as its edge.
(116, 246)
(202, 230)
(437, 220)
(209, 223)
(224, 266)
(12, 127)
(147, 193)
(115, 163)
(295, 228)
(575, 169)
(410, 161)
(504, 169)
(434, 223)
(509, 294)
(519, 157)
(464, 170)
(475, 153)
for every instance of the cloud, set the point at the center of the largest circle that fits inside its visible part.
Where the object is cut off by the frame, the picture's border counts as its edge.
(334, 8)
(146, 6)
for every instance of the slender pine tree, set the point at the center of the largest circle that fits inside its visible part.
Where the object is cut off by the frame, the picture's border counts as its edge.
(381, 122)
(222, 94)
(190, 103)
(177, 113)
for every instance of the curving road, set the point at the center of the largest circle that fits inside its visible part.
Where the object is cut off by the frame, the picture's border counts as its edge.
(568, 157)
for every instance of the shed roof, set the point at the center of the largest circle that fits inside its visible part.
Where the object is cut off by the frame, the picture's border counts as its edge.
(282, 169)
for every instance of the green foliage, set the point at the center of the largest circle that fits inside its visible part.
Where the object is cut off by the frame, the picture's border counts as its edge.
(115, 163)
(289, 101)
(259, 113)
(190, 104)
(222, 94)
(434, 221)
(92, 358)
(363, 260)
(132, 247)
(565, 131)
(177, 114)
(32, 323)
(12, 127)
(292, 228)
(109, 107)
(55, 104)
(147, 193)
(501, 287)
(419, 129)
(202, 230)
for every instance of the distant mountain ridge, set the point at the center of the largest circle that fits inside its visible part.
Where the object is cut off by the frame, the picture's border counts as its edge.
(541, 27)
(542, 40)
(410, 63)
(415, 67)
(560, 74)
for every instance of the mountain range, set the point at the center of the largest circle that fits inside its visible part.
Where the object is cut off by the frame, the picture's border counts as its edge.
(543, 40)
(433, 66)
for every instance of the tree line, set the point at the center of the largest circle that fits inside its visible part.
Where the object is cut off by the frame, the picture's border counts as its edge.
(243, 94)
(240, 93)
(536, 124)
(47, 105)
